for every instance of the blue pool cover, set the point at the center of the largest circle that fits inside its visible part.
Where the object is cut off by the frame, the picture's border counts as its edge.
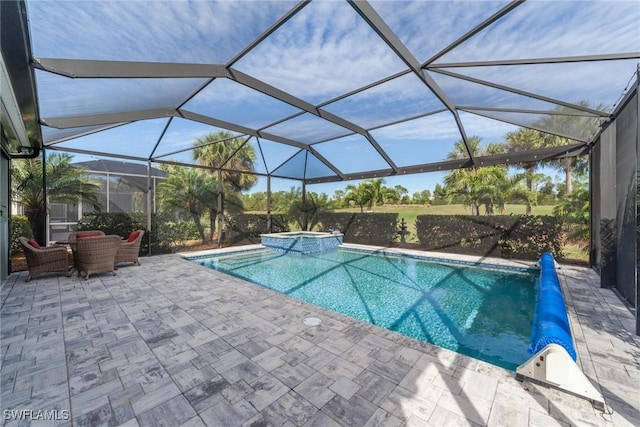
(550, 321)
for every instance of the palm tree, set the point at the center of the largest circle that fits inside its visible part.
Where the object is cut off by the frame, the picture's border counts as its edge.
(378, 193)
(521, 140)
(583, 127)
(222, 150)
(360, 195)
(475, 186)
(65, 183)
(185, 189)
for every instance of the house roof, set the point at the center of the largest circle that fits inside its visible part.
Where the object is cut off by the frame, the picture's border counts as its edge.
(119, 167)
(322, 90)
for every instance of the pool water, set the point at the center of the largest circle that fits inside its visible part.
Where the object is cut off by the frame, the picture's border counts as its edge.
(482, 313)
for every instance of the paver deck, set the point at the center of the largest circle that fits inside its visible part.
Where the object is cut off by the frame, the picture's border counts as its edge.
(174, 343)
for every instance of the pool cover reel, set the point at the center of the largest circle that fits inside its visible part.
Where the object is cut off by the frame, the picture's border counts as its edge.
(550, 321)
(554, 356)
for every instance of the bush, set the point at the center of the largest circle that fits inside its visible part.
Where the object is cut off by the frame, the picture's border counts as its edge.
(364, 228)
(253, 225)
(122, 224)
(19, 225)
(505, 236)
(119, 223)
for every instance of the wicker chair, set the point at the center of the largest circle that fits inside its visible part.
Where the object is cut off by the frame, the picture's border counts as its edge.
(96, 254)
(129, 249)
(45, 260)
(75, 235)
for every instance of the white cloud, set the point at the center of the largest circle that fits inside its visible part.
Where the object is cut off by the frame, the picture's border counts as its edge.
(166, 31)
(556, 28)
(323, 51)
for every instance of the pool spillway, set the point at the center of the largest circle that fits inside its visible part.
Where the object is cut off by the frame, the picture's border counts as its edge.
(301, 242)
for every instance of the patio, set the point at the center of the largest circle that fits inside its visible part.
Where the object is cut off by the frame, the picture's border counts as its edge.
(155, 346)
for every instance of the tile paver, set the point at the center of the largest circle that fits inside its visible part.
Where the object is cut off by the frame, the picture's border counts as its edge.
(174, 343)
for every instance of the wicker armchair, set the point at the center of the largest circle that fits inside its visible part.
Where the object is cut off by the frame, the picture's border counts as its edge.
(129, 249)
(45, 260)
(96, 254)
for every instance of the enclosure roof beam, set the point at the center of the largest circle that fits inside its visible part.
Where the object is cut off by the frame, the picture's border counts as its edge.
(521, 92)
(109, 118)
(528, 125)
(240, 129)
(83, 68)
(89, 132)
(95, 153)
(471, 108)
(369, 14)
(534, 61)
(542, 154)
(484, 24)
(297, 8)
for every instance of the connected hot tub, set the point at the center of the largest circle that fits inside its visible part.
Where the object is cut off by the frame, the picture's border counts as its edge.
(301, 242)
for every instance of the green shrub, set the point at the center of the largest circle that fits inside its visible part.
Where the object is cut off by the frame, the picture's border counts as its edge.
(119, 223)
(122, 224)
(378, 229)
(20, 227)
(253, 225)
(505, 236)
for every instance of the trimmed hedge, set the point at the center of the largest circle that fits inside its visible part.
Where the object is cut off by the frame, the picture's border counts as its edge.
(121, 224)
(20, 227)
(364, 228)
(503, 236)
(253, 225)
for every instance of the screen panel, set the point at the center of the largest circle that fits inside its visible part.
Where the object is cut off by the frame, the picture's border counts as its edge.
(65, 97)
(323, 51)
(541, 29)
(401, 98)
(227, 100)
(135, 139)
(205, 32)
(426, 140)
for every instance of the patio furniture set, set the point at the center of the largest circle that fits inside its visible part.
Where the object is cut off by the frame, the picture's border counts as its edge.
(93, 252)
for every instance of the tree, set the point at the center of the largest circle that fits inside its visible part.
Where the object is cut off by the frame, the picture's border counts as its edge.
(583, 127)
(338, 199)
(378, 193)
(575, 207)
(524, 140)
(308, 213)
(399, 194)
(475, 186)
(479, 186)
(360, 195)
(423, 197)
(188, 189)
(65, 183)
(439, 194)
(222, 150)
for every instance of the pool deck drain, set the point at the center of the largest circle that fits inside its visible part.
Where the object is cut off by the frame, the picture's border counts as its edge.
(174, 342)
(312, 321)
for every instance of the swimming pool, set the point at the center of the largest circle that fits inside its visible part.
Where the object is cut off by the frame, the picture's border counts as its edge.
(482, 313)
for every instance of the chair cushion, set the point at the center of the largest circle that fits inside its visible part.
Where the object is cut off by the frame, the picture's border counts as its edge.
(133, 236)
(87, 234)
(34, 244)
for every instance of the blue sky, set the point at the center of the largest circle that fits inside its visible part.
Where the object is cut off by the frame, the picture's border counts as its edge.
(324, 51)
